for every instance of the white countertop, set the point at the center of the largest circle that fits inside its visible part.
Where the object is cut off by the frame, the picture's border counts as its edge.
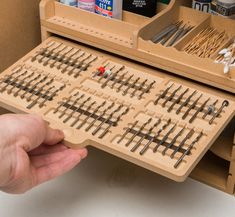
(110, 187)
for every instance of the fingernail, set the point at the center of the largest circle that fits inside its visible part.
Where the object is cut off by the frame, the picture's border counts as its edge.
(60, 132)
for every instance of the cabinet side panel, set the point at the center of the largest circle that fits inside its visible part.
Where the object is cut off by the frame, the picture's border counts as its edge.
(20, 29)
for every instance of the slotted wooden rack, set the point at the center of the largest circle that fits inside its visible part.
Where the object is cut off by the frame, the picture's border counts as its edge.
(59, 80)
(149, 117)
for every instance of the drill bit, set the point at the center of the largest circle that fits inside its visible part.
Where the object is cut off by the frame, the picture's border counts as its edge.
(99, 116)
(40, 89)
(79, 65)
(47, 98)
(188, 150)
(185, 103)
(188, 136)
(138, 132)
(27, 84)
(43, 95)
(72, 63)
(91, 114)
(106, 119)
(49, 53)
(200, 109)
(192, 106)
(177, 100)
(173, 141)
(68, 59)
(42, 52)
(169, 98)
(62, 104)
(124, 83)
(71, 105)
(164, 138)
(163, 94)
(85, 67)
(128, 130)
(139, 88)
(14, 80)
(18, 85)
(60, 59)
(112, 123)
(146, 90)
(77, 110)
(146, 147)
(130, 86)
(137, 145)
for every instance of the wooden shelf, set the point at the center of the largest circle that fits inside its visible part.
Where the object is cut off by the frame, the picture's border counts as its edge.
(212, 171)
(224, 146)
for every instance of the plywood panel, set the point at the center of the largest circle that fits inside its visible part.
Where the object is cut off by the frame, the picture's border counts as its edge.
(20, 29)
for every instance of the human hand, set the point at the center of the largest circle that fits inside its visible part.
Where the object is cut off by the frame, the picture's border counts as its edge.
(31, 153)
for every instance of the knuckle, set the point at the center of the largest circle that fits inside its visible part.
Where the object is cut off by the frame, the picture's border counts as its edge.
(39, 120)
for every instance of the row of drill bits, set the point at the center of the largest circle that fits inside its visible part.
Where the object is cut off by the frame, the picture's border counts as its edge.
(170, 35)
(36, 89)
(154, 134)
(64, 58)
(80, 110)
(116, 77)
(177, 97)
(206, 43)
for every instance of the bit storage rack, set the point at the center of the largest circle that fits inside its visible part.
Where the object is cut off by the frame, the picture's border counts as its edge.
(92, 28)
(149, 118)
(132, 37)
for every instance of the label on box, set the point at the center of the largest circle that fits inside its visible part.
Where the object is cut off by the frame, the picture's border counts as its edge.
(202, 5)
(104, 7)
(85, 5)
(143, 7)
(223, 9)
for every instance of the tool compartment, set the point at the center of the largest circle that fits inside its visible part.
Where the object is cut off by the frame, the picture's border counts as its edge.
(91, 27)
(131, 38)
(134, 112)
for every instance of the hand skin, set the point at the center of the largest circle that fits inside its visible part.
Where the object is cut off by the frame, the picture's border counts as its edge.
(32, 153)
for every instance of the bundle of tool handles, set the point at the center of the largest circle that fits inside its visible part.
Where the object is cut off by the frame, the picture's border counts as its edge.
(172, 34)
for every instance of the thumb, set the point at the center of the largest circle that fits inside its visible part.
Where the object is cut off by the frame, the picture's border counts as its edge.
(53, 137)
(37, 132)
